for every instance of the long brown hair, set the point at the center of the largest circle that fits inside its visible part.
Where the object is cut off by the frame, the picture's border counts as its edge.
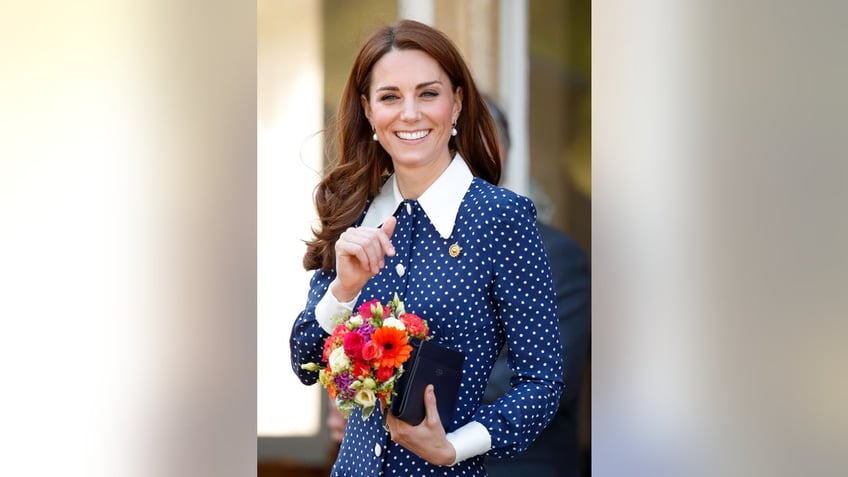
(362, 164)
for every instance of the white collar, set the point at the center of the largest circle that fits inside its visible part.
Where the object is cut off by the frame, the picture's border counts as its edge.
(440, 201)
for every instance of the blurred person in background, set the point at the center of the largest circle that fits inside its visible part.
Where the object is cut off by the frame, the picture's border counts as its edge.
(412, 206)
(556, 452)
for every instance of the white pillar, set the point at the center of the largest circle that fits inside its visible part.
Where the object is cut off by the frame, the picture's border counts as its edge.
(423, 11)
(289, 108)
(514, 95)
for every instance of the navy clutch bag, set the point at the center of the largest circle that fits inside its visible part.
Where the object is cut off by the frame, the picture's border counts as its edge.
(429, 363)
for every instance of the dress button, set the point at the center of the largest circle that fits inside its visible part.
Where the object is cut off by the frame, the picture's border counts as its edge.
(377, 450)
(400, 269)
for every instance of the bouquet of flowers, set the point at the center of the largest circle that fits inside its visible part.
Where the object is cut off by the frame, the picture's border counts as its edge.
(364, 355)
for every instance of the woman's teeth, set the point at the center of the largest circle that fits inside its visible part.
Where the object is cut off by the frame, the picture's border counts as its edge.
(412, 135)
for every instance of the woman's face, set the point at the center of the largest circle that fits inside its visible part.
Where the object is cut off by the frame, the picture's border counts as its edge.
(412, 106)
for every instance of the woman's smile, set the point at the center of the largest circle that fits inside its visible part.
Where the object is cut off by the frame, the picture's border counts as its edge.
(412, 135)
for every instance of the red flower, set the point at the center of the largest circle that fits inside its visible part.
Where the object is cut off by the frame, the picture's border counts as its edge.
(361, 369)
(384, 373)
(353, 345)
(394, 342)
(415, 326)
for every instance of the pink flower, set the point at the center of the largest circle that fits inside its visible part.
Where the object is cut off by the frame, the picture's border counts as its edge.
(353, 345)
(365, 309)
(372, 351)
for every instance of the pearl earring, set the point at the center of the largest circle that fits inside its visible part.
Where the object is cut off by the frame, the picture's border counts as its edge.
(374, 136)
(453, 131)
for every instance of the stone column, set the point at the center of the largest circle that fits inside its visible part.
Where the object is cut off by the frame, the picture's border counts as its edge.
(473, 25)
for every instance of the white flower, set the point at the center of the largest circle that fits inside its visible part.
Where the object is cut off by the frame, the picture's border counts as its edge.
(394, 323)
(339, 360)
(365, 397)
(354, 322)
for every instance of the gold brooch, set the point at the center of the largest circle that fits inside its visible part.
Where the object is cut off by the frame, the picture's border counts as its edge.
(454, 250)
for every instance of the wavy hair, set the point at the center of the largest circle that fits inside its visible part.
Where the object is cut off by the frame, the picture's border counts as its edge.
(361, 164)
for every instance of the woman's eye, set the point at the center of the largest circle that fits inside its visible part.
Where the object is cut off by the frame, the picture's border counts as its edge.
(388, 97)
(429, 94)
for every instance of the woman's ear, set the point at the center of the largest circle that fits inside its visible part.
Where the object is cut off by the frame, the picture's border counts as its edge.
(365, 106)
(457, 103)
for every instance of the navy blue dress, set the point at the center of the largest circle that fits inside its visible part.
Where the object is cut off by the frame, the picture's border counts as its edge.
(498, 290)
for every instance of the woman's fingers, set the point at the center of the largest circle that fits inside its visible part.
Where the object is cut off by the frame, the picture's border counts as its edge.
(361, 245)
(369, 246)
(431, 409)
(427, 440)
(388, 229)
(351, 260)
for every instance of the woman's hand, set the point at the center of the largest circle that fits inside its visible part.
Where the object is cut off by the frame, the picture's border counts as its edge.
(426, 440)
(360, 254)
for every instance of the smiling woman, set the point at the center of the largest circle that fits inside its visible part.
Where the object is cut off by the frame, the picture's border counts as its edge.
(412, 206)
(412, 107)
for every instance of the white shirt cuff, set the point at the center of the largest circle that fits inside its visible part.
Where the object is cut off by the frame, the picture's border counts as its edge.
(470, 440)
(329, 309)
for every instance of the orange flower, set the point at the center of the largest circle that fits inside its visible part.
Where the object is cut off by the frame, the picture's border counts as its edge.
(395, 345)
(334, 340)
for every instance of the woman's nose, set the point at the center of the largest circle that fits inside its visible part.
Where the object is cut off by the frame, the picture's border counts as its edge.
(410, 110)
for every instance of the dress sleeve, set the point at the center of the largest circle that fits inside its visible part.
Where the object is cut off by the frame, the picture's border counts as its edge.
(526, 304)
(307, 336)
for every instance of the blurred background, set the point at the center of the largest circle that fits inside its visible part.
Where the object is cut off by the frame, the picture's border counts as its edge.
(533, 57)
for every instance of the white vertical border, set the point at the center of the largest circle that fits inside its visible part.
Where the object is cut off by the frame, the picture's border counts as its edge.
(423, 11)
(514, 96)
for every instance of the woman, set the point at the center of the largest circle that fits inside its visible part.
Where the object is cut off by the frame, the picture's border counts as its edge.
(410, 207)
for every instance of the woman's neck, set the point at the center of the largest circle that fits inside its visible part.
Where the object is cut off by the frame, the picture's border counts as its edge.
(413, 182)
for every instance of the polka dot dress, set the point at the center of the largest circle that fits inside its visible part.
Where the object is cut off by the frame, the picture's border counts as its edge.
(486, 286)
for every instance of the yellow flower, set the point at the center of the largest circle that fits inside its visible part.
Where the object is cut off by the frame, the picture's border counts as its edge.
(365, 398)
